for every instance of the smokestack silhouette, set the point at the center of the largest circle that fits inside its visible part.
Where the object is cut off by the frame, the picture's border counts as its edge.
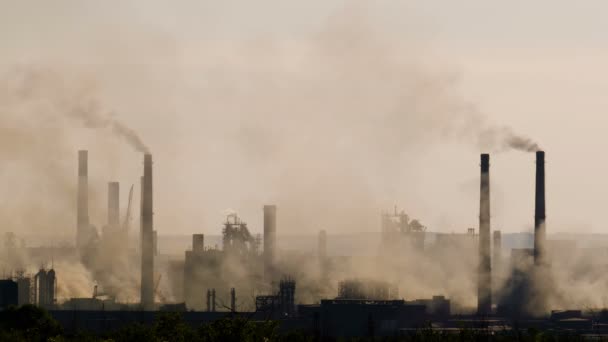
(114, 204)
(539, 212)
(270, 240)
(82, 220)
(147, 241)
(484, 285)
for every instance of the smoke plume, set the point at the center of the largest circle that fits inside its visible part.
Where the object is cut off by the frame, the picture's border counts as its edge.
(90, 114)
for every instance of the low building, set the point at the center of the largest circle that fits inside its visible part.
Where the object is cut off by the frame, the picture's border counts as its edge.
(9, 293)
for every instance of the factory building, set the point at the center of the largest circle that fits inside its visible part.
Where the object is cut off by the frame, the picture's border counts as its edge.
(367, 289)
(222, 269)
(399, 232)
(281, 305)
(9, 293)
(45, 285)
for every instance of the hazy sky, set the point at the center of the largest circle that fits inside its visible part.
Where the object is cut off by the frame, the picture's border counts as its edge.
(246, 103)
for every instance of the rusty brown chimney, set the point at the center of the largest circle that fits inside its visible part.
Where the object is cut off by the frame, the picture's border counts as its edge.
(539, 212)
(147, 238)
(484, 280)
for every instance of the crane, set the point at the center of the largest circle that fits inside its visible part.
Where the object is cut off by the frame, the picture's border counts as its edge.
(127, 220)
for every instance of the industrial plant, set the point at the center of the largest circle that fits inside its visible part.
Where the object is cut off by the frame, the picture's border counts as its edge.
(320, 292)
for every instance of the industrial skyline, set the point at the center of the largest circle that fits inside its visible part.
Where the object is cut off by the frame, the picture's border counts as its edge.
(343, 168)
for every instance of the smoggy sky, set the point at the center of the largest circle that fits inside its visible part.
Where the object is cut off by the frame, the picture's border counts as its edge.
(333, 110)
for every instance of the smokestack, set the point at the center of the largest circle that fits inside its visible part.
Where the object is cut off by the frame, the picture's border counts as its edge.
(212, 300)
(232, 300)
(484, 285)
(114, 204)
(539, 212)
(270, 239)
(147, 243)
(322, 255)
(497, 250)
(82, 220)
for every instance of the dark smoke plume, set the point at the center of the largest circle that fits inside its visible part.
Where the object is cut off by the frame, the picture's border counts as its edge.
(91, 116)
(71, 97)
(500, 139)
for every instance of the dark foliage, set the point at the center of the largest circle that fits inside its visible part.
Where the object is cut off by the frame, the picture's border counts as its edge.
(30, 323)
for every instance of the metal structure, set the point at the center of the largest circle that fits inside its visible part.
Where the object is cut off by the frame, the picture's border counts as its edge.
(283, 303)
(398, 230)
(366, 289)
(127, 220)
(236, 238)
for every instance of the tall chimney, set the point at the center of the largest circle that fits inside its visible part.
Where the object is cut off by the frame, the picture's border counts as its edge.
(539, 212)
(270, 239)
(82, 220)
(114, 204)
(147, 243)
(484, 285)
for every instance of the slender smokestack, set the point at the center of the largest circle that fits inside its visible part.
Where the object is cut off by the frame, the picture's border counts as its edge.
(147, 245)
(322, 255)
(114, 204)
(270, 237)
(484, 285)
(232, 300)
(539, 212)
(496, 251)
(82, 220)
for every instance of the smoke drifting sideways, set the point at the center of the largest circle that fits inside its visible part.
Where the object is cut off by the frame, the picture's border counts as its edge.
(58, 93)
(502, 139)
(92, 116)
(43, 109)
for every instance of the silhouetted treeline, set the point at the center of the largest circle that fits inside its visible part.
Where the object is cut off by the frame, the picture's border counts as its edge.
(30, 323)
